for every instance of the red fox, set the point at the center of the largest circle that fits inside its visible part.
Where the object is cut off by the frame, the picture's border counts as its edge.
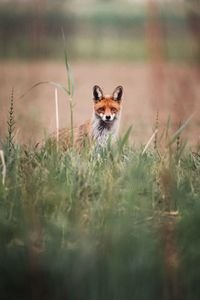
(103, 125)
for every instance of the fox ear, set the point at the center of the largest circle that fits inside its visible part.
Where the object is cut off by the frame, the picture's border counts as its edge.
(97, 93)
(117, 94)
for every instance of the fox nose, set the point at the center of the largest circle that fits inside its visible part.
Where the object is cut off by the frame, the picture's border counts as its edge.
(108, 118)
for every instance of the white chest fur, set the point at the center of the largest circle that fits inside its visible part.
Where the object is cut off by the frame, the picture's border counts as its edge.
(101, 132)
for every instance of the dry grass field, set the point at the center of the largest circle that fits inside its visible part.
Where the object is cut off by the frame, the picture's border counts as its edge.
(168, 88)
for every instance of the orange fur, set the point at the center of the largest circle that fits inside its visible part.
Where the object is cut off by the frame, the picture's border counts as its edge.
(107, 104)
(99, 127)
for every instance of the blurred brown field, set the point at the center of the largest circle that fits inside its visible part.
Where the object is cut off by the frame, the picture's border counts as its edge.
(151, 48)
(169, 89)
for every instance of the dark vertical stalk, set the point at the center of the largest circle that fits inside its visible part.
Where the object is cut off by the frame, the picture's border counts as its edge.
(11, 124)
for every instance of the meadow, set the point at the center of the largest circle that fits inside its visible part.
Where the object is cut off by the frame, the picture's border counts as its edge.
(119, 222)
(100, 224)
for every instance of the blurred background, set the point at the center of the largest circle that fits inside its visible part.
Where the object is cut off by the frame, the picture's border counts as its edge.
(150, 47)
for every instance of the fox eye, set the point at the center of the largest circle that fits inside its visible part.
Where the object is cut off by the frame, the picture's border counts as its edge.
(101, 110)
(113, 110)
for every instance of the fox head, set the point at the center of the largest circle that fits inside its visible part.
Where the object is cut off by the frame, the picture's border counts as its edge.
(107, 108)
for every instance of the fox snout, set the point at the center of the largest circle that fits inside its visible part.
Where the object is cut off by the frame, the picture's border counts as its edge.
(108, 118)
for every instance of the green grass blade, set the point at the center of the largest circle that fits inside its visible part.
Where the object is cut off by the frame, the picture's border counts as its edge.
(149, 142)
(180, 130)
(167, 128)
(70, 88)
(125, 138)
(70, 78)
(55, 84)
(182, 148)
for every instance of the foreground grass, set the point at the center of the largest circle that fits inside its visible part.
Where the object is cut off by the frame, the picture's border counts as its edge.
(99, 224)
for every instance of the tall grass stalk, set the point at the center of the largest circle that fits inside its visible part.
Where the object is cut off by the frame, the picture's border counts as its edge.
(156, 127)
(180, 130)
(4, 167)
(178, 140)
(57, 116)
(70, 88)
(149, 142)
(11, 124)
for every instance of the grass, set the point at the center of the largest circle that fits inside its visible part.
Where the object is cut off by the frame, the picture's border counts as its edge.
(88, 225)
